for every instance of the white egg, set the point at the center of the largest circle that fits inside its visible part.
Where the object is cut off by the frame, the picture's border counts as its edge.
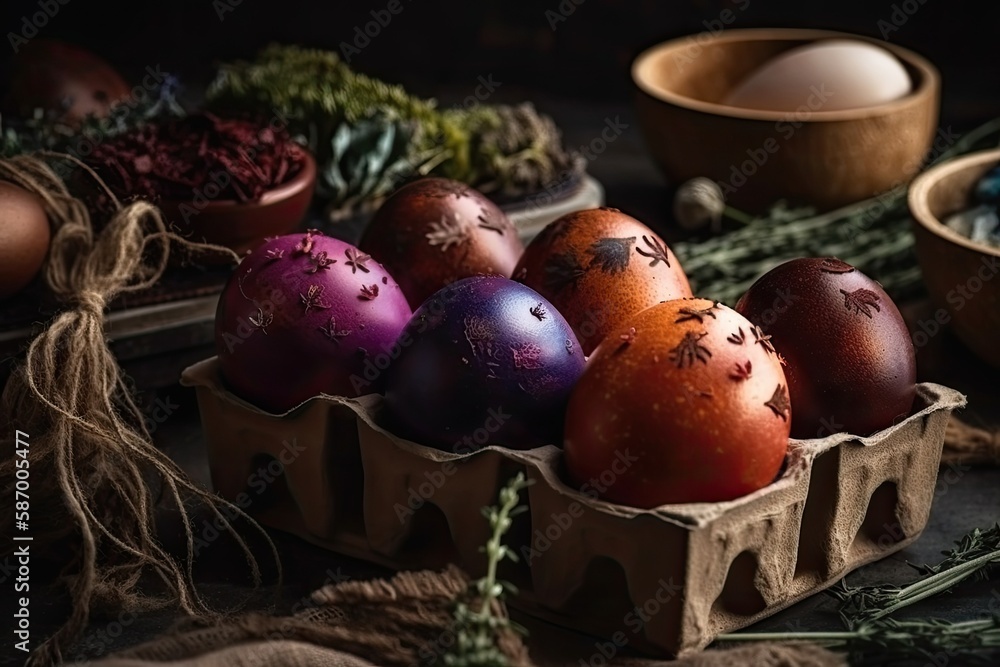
(824, 76)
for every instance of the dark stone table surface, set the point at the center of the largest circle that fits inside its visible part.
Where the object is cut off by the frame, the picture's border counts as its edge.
(963, 500)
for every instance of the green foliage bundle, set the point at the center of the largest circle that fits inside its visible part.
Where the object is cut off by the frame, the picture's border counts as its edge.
(368, 135)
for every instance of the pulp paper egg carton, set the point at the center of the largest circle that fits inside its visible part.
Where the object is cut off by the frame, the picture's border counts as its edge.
(666, 581)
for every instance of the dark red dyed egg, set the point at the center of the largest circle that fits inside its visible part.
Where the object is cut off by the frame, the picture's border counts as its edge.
(851, 365)
(600, 267)
(434, 231)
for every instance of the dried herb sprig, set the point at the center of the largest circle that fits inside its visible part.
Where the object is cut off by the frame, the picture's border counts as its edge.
(973, 546)
(514, 150)
(477, 622)
(887, 641)
(316, 93)
(874, 637)
(873, 235)
(977, 552)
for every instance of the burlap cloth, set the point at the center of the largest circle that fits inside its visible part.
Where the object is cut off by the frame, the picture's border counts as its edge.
(301, 654)
(400, 622)
(970, 445)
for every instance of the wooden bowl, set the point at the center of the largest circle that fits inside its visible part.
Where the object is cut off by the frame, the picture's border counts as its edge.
(960, 275)
(242, 226)
(820, 158)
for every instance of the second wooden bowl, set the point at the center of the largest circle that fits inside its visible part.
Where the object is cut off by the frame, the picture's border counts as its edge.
(961, 276)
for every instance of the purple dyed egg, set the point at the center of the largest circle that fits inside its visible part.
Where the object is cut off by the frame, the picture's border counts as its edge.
(303, 315)
(484, 361)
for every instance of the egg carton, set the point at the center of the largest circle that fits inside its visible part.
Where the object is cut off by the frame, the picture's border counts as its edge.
(664, 581)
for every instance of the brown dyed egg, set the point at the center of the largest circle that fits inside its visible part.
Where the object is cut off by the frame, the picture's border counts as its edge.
(686, 402)
(851, 365)
(599, 267)
(434, 231)
(24, 238)
(57, 76)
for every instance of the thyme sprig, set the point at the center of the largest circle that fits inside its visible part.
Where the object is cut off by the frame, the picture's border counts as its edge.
(976, 553)
(887, 640)
(972, 546)
(873, 235)
(872, 636)
(477, 623)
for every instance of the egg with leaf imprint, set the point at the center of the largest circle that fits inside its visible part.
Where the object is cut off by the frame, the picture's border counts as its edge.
(851, 364)
(304, 315)
(434, 231)
(685, 402)
(484, 361)
(599, 267)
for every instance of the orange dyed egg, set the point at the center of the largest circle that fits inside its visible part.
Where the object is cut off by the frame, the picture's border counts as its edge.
(686, 403)
(599, 267)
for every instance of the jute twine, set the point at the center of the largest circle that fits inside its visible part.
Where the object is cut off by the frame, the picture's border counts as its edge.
(94, 468)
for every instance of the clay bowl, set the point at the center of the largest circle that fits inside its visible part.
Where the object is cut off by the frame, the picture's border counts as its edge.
(241, 226)
(961, 276)
(820, 158)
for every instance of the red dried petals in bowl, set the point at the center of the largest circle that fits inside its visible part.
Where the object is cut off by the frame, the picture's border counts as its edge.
(201, 154)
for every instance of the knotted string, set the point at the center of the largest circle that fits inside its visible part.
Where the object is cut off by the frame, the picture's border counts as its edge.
(91, 454)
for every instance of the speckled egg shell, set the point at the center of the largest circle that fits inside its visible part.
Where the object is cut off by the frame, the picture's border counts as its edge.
(599, 267)
(306, 314)
(434, 231)
(851, 363)
(688, 403)
(485, 361)
(60, 77)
